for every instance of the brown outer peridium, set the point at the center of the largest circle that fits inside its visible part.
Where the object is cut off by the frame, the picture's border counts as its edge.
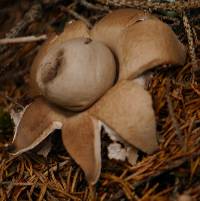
(127, 109)
(80, 134)
(81, 137)
(109, 28)
(153, 44)
(75, 29)
(38, 121)
(139, 40)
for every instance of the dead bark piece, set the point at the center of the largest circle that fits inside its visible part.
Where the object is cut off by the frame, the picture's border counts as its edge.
(81, 138)
(127, 109)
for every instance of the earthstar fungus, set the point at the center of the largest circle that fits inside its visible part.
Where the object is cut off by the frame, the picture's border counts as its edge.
(72, 78)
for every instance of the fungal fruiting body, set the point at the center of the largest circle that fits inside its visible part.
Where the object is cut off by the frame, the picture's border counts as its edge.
(76, 71)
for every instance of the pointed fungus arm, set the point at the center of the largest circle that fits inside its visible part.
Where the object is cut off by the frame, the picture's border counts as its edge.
(143, 41)
(154, 44)
(127, 109)
(38, 121)
(81, 138)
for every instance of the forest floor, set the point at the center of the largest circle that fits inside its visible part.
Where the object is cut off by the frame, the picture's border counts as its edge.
(172, 173)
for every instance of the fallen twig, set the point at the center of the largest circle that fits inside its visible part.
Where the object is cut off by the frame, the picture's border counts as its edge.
(11, 100)
(191, 47)
(16, 183)
(76, 15)
(29, 17)
(93, 6)
(172, 115)
(177, 5)
(25, 39)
